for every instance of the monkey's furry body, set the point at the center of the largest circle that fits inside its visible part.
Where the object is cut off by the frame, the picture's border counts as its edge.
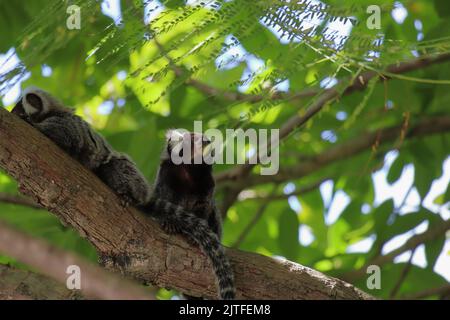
(190, 187)
(76, 137)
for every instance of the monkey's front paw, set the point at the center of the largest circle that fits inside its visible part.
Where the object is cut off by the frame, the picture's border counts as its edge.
(126, 201)
(170, 228)
(191, 241)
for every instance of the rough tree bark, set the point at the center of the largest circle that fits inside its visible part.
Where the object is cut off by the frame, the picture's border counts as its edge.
(130, 243)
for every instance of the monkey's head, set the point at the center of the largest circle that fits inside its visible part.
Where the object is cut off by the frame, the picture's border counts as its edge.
(35, 104)
(186, 147)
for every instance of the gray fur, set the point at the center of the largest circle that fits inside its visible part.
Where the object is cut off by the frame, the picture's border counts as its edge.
(197, 231)
(76, 137)
(186, 193)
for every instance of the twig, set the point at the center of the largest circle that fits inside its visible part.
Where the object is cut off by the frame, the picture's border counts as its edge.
(403, 275)
(442, 290)
(412, 243)
(254, 220)
(273, 197)
(230, 195)
(329, 95)
(363, 142)
(380, 244)
(359, 84)
(236, 96)
(211, 91)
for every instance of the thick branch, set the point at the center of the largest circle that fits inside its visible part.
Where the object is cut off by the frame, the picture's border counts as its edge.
(349, 148)
(16, 284)
(135, 245)
(53, 262)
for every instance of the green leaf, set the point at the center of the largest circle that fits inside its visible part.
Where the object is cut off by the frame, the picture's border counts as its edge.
(288, 235)
(381, 215)
(417, 279)
(442, 8)
(434, 247)
(422, 179)
(313, 215)
(443, 198)
(173, 4)
(447, 195)
(405, 223)
(396, 170)
(337, 242)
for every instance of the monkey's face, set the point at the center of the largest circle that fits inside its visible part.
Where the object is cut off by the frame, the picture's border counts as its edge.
(191, 147)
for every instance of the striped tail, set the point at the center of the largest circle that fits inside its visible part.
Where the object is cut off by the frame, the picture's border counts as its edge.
(198, 231)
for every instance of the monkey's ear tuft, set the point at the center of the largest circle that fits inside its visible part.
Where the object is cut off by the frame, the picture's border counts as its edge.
(35, 101)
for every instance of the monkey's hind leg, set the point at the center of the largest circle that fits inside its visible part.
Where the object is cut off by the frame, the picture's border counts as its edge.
(122, 175)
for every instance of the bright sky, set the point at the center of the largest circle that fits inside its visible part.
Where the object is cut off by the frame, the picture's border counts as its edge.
(340, 200)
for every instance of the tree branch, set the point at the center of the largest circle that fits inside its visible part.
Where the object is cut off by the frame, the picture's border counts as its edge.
(403, 275)
(234, 96)
(272, 197)
(347, 149)
(16, 199)
(442, 290)
(411, 244)
(331, 94)
(16, 284)
(358, 84)
(53, 262)
(135, 245)
(262, 208)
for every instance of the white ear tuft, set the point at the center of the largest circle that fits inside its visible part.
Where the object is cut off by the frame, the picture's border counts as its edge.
(31, 89)
(38, 94)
